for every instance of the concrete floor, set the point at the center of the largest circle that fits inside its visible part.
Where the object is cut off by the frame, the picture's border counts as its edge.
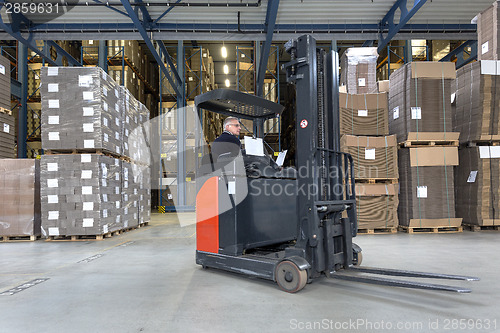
(146, 280)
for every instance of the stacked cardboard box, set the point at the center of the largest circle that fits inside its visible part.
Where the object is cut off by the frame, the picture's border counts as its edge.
(19, 197)
(487, 33)
(80, 109)
(477, 185)
(364, 114)
(376, 175)
(7, 137)
(4, 82)
(419, 98)
(80, 194)
(427, 196)
(358, 69)
(477, 101)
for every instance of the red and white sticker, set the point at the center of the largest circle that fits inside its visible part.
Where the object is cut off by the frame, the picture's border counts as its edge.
(303, 123)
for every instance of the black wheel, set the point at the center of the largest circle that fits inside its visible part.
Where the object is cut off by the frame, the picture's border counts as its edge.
(357, 258)
(289, 277)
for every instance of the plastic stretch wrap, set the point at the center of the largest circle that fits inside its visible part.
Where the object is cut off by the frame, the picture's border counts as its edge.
(130, 193)
(19, 197)
(81, 194)
(81, 109)
(136, 128)
(358, 70)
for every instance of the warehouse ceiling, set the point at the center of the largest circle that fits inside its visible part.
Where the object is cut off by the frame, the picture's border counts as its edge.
(244, 19)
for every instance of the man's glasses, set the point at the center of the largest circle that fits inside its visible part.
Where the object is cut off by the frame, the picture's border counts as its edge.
(237, 125)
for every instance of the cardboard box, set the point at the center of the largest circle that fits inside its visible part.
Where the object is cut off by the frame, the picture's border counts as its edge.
(377, 205)
(364, 114)
(419, 98)
(487, 33)
(19, 197)
(374, 157)
(477, 181)
(358, 67)
(383, 86)
(426, 185)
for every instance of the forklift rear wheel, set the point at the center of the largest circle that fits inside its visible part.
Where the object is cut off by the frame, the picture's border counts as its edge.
(289, 277)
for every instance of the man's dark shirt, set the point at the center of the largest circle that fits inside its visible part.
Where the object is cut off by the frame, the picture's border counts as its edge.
(225, 143)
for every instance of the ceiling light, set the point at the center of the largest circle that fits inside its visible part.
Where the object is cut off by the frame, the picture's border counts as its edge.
(223, 51)
(228, 83)
(226, 69)
(243, 55)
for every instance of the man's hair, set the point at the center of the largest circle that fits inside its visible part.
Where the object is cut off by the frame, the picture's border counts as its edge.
(229, 120)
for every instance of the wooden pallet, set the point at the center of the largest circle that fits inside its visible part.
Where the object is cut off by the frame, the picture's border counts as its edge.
(83, 151)
(483, 143)
(374, 231)
(474, 227)
(83, 238)
(428, 143)
(7, 111)
(377, 181)
(23, 238)
(430, 230)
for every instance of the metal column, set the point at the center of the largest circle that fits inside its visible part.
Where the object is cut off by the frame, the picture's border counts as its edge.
(22, 130)
(181, 131)
(103, 56)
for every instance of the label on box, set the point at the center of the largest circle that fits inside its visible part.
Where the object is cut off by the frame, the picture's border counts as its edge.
(489, 152)
(105, 137)
(135, 191)
(86, 158)
(53, 120)
(52, 199)
(88, 205)
(117, 94)
(452, 97)
(125, 173)
(53, 215)
(117, 162)
(84, 81)
(86, 189)
(135, 216)
(105, 228)
(52, 167)
(117, 176)
(104, 170)
(125, 197)
(105, 106)
(53, 136)
(88, 223)
(135, 119)
(117, 122)
(127, 120)
(126, 132)
(472, 177)
(362, 82)
(53, 104)
(421, 191)
(117, 189)
(52, 182)
(117, 204)
(2, 69)
(395, 113)
(105, 91)
(103, 75)
(117, 136)
(88, 111)
(104, 182)
(88, 128)
(52, 71)
(88, 144)
(369, 153)
(6, 128)
(53, 87)
(416, 113)
(117, 108)
(86, 174)
(104, 213)
(105, 197)
(53, 231)
(105, 121)
(88, 96)
(484, 48)
(135, 204)
(125, 210)
(362, 113)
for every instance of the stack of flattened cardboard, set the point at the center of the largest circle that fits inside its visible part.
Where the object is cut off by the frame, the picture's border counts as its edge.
(419, 98)
(477, 106)
(376, 174)
(364, 114)
(426, 187)
(359, 70)
(19, 197)
(376, 205)
(478, 185)
(7, 121)
(487, 33)
(374, 157)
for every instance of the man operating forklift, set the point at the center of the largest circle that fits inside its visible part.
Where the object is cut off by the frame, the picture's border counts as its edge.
(228, 143)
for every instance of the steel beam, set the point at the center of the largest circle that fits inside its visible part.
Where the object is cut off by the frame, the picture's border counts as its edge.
(61, 51)
(149, 43)
(102, 55)
(22, 122)
(388, 20)
(165, 12)
(146, 18)
(272, 11)
(181, 134)
(459, 53)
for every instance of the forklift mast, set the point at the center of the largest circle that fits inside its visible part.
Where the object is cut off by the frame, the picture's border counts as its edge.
(326, 184)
